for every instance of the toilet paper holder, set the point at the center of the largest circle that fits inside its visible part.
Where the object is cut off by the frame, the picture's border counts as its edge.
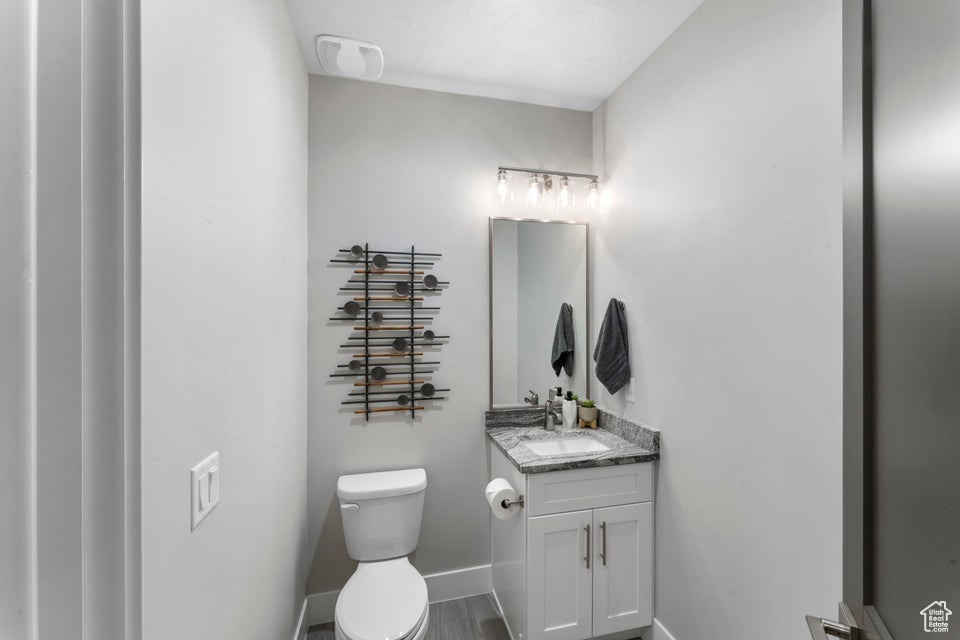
(507, 503)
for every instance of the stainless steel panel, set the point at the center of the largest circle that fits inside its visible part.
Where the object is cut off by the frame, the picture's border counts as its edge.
(854, 351)
(916, 116)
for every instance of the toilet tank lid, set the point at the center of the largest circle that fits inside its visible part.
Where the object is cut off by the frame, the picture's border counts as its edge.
(382, 484)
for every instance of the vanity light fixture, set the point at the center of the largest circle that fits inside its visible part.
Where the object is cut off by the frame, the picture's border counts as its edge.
(534, 192)
(565, 199)
(593, 194)
(540, 184)
(503, 188)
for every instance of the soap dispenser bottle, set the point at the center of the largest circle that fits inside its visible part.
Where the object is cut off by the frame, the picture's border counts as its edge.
(569, 411)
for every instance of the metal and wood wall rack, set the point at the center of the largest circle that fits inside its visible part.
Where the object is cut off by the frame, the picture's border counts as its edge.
(390, 314)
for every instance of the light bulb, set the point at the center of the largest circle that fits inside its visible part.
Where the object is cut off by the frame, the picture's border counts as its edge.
(533, 192)
(503, 188)
(593, 194)
(564, 197)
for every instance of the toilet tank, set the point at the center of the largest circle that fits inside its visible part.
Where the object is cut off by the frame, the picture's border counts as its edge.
(381, 513)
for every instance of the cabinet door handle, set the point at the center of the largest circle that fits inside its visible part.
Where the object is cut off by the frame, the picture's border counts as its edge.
(587, 557)
(603, 542)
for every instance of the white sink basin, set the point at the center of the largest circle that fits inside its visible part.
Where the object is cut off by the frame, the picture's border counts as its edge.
(565, 446)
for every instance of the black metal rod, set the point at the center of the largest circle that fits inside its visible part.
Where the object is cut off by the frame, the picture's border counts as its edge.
(403, 308)
(395, 281)
(382, 393)
(387, 364)
(400, 253)
(421, 399)
(393, 364)
(385, 318)
(366, 335)
(416, 289)
(413, 411)
(395, 373)
(404, 263)
(391, 338)
(384, 345)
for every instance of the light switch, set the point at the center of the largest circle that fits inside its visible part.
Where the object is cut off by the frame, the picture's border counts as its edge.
(214, 484)
(204, 488)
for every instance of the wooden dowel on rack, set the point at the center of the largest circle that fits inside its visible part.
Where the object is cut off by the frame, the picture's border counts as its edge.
(386, 382)
(387, 298)
(387, 409)
(401, 354)
(361, 328)
(417, 289)
(389, 392)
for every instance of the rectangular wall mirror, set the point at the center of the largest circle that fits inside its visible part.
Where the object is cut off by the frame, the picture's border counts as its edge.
(536, 267)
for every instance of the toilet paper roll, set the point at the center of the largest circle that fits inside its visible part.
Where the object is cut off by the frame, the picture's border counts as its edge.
(497, 491)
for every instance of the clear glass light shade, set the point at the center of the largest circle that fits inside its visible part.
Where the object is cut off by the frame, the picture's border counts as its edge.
(593, 194)
(534, 192)
(503, 188)
(565, 198)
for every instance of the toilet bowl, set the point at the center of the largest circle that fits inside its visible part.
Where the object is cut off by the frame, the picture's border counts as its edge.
(385, 598)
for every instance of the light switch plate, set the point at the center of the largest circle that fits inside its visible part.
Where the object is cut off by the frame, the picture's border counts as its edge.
(204, 489)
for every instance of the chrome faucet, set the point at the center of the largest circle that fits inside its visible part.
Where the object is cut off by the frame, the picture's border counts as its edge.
(533, 398)
(549, 417)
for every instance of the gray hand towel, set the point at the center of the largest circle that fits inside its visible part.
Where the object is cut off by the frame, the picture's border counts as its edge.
(612, 353)
(561, 357)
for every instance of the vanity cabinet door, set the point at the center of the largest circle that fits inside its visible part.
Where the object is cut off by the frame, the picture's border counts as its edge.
(559, 589)
(623, 568)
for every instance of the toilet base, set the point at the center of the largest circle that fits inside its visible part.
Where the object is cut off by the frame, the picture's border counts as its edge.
(420, 633)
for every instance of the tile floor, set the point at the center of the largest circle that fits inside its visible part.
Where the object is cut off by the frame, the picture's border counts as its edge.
(473, 618)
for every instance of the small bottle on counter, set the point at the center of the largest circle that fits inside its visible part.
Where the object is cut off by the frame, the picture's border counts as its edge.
(569, 411)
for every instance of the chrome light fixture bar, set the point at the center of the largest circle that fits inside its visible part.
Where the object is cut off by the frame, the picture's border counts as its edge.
(549, 172)
(541, 181)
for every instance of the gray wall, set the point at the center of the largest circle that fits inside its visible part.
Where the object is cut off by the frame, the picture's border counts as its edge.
(224, 317)
(395, 167)
(17, 605)
(723, 156)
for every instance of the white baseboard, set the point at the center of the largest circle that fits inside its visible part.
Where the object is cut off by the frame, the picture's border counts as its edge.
(459, 583)
(660, 632)
(496, 601)
(300, 632)
(449, 585)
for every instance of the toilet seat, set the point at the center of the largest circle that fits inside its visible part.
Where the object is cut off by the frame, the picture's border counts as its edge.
(385, 600)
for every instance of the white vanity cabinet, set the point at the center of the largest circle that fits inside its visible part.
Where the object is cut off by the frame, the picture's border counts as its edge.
(622, 568)
(559, 579)
(585, 542)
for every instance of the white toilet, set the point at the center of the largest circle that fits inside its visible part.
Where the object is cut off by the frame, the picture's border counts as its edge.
(385, 598)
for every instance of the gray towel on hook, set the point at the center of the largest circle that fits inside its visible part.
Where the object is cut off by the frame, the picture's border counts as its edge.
(612, 353)
(561, 357)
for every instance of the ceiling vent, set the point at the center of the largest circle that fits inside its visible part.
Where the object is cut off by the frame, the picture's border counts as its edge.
(351, 58)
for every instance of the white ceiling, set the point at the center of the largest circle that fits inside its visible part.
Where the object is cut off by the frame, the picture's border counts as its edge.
(562, 53)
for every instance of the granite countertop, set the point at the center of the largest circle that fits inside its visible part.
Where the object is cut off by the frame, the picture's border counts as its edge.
(509, 430)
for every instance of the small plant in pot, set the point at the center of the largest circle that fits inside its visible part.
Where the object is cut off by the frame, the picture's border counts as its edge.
(587, 411)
